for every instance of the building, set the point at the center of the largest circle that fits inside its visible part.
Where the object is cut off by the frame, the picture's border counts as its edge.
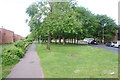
(17, 37)
(7, 36)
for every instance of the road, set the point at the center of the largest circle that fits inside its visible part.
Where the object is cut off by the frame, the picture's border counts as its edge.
(108, 48)
(103, 47)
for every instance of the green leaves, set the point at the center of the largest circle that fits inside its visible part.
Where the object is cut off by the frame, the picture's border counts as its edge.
(107, 25)
(67, 20)
(12, 55)
(32, 10)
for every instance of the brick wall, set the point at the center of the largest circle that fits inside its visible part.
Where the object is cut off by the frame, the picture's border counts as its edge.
(7, 36)
(17, 37)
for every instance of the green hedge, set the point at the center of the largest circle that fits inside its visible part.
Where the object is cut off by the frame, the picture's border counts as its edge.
(13, 55)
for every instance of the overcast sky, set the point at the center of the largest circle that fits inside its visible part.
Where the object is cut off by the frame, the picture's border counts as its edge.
(13, 16)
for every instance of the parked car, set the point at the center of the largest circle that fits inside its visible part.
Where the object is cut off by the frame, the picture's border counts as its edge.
(94, 42)
(111, 44)
(88, 40)
(117, 44)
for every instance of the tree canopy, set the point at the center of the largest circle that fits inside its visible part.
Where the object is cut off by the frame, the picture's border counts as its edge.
(65, 20)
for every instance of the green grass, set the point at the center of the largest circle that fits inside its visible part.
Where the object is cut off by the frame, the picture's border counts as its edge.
(77, 61)
(8, 46)
(5, 69)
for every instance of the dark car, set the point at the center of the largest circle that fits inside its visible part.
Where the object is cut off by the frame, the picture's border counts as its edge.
(95, 42)
(111, 44)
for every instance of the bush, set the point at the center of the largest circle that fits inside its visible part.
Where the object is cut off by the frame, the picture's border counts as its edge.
(0, 43)
(14, 51)
(23, 44)
(11, 56)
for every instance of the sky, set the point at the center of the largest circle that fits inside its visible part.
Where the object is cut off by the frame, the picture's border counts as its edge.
(13, 16)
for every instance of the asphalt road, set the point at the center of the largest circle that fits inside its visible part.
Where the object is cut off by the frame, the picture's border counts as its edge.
(108, 48)
(117, 50)
(103, 47)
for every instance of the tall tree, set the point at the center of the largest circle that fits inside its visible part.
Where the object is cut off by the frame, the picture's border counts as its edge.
(57, 19)
(107, 27)
(88, 21)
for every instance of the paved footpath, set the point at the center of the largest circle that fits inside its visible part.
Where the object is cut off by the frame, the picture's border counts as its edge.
(28, 67)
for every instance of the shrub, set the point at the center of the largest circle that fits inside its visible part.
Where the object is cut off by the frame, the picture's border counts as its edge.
(11, 56)
(20, 44)
(23, 44)
(14, 51)
(0, 43)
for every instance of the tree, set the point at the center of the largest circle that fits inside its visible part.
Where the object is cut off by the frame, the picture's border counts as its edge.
(57, 19)
(66, 21)
(88, 21)
(106, 27)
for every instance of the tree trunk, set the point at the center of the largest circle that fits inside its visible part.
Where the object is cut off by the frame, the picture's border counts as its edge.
(55, 40)
(48, 42)
(63, 40)
(77, 41)
(59, 40)
(68, 41)
(72, 40)
(38, 40)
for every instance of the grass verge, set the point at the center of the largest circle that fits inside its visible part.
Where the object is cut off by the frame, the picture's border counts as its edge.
(77, 61)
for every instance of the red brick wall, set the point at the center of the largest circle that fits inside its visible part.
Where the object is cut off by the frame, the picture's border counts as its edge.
(17, 37)
(7, 36)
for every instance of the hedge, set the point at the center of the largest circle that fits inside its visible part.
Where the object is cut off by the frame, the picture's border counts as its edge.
(12, 55)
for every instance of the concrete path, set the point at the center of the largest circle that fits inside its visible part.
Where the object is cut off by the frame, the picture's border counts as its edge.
(28, 67)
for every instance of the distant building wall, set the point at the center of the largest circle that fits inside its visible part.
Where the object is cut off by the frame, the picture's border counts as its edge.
(17, 37)
(7, 36)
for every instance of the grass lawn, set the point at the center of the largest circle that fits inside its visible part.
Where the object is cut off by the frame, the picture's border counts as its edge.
(77, 61)
(8, 46)
(6, 69)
